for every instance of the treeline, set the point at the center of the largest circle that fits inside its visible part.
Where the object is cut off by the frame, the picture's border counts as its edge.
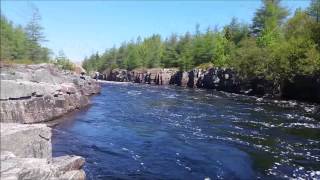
(23, 44)
(273, 46)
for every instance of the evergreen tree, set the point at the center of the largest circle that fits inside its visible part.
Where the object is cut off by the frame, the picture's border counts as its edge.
(15, 44)
(272, 17)
(314, 10)
(276, 49)
(220, 53)
(236, 31)
(20, 43)
(268, 17)
(170, 56)
(132, 60)
(35, 36)
(203, 46)
(63, 62)
(7, 37)
(153, 49)
(184, 48)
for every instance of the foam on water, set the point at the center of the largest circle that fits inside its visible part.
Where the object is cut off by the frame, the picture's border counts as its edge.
(153, 132)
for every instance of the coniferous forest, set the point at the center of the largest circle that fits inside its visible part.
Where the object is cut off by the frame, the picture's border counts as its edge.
(23, 45)
(276, 45)
(236, 101)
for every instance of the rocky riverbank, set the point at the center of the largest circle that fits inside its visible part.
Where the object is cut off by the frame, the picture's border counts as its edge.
(39, 93)
(36, 94)
(304, 88)
(26, 154)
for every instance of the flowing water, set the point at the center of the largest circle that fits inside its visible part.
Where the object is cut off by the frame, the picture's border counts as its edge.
(136, 131)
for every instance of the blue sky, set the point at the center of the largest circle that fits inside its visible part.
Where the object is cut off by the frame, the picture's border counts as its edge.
(80, 28)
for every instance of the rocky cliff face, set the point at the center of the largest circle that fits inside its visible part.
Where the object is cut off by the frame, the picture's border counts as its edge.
(306, 88)
(39, 93)
(156, 76)
(35, 94)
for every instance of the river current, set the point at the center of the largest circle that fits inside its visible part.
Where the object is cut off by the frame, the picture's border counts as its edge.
(134, 131)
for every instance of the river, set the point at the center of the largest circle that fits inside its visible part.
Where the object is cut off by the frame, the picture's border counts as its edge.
(134, 131)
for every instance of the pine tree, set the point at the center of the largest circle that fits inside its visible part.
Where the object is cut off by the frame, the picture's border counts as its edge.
(170, 55)
(267, 22)
(184, 48)
(269, 16)
(236, 31)
(35, 36)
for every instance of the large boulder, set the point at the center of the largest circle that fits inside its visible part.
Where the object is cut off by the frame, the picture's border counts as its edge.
(65, 167)
(15, 168)
(209, 79)
(192, 79)
(180, 78)
(26, 153)
(166, 75)
(120, 75)
(29, 141)
(222, 79)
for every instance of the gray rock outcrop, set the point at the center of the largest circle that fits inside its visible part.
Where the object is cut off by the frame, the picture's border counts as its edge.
(39, 93)
(300, 87)
(156, 76)
(29, 141)
(13, 167)
(35, 94)
(26, 154)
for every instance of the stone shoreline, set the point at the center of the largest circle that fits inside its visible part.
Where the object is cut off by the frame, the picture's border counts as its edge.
(303, 88)
(26, 153)
(37, 94)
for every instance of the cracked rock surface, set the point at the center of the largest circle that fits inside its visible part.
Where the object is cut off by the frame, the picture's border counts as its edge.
(36, 94)
(39, 93)
(26, 153)
(65, 167)
(29, 141)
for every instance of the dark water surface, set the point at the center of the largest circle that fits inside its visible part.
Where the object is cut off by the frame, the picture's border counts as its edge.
(152, 132)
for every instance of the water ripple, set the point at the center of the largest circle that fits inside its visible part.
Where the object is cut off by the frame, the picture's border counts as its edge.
(154, 132)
